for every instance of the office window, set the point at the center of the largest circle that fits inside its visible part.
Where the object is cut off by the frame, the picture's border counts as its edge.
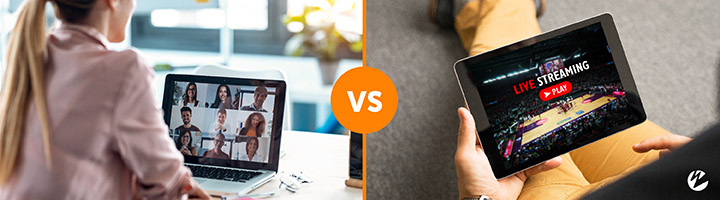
(257, 28)
(243, 15)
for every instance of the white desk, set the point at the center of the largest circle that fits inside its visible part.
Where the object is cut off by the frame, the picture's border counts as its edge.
(322, 157)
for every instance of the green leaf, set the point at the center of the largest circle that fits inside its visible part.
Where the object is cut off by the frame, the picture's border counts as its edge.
(162, 67)
(356, 46)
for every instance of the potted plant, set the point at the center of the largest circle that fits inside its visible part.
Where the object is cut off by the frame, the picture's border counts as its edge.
(325, 28)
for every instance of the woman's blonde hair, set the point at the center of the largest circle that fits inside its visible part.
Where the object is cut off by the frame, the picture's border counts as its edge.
(260, 128)
(24, 77)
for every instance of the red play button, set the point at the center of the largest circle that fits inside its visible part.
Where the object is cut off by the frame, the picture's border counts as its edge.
(555, 91)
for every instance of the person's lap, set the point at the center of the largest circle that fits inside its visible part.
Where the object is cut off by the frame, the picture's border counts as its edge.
(558, 183)
(613, 155)
(594, 166)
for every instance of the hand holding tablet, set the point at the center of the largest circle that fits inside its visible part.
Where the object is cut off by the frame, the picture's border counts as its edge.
(544, 96)
(474, 173)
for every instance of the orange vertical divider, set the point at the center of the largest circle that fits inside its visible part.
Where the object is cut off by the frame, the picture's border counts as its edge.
(364, 60)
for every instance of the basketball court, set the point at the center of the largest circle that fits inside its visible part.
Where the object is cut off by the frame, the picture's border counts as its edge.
(551, 119)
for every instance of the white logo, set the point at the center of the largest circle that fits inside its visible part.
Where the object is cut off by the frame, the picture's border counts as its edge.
(694, 177)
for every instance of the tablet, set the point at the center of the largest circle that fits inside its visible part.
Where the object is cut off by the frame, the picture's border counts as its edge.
(549, 94)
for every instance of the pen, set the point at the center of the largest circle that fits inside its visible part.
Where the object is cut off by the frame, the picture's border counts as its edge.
(260, 195)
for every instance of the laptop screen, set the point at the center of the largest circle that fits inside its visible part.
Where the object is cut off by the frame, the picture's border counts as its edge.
(218, 123)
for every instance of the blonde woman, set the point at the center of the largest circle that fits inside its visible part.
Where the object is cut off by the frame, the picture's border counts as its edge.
(254, 126)
(251, 146)
(78, 121)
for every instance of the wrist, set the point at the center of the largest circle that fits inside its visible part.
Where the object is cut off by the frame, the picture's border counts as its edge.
(481, 197)
(474, 195)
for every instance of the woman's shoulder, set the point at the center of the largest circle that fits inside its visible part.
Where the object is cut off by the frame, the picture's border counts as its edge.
(71, 43)
(117, 67)
(131, 60)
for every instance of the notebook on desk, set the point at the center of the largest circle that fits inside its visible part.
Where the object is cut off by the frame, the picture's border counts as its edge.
(228, 129)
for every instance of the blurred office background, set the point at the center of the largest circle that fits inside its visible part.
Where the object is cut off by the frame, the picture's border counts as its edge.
(312, 41)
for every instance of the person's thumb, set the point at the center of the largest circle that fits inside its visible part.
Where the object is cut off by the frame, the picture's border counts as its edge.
(466, 134)
(547, 165)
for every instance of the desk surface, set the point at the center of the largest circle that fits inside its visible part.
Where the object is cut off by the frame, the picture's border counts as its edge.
(322, 157)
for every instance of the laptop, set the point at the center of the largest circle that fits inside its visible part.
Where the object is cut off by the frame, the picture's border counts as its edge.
(228, 129)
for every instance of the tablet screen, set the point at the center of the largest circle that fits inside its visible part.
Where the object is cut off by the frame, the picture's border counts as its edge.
(552, 96)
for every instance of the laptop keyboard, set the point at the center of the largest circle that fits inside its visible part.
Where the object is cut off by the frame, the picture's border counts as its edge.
(222, 173)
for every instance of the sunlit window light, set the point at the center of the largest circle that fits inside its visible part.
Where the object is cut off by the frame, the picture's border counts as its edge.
(165, 17)
(295, 27)
(243, 15)
(209, 18)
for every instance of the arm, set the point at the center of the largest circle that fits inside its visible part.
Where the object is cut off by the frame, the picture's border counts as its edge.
(185, 151)
(212, 127)
(142, 141)
(227, 127)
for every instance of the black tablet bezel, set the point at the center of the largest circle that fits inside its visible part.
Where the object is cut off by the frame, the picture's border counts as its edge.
(280, 90)
(474, 103)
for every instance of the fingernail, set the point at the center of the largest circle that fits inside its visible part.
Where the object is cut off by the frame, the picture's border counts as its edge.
(460, 114)
(186, 189)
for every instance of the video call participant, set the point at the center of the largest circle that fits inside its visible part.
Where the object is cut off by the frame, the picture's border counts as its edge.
(72, 66)
(217, 152)
(222, 98)
(251, 147)
(190, 96)
(219, 126)
(186, 114)
(254, 126)
(259, 97)
(184, 144)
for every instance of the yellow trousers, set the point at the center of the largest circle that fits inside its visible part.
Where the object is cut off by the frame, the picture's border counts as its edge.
(483, 25)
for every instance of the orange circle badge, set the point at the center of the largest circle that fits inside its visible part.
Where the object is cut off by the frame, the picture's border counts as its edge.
(364, 100)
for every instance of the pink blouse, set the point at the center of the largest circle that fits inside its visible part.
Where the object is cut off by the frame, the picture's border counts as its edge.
(105, 127)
